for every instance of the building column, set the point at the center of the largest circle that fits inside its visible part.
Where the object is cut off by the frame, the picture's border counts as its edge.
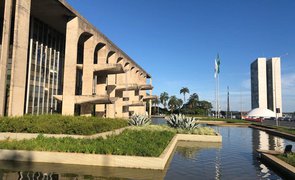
(88, 82)
(19, 58)
(72, 37)
(150, 101)
(5, 53)
(111, 86)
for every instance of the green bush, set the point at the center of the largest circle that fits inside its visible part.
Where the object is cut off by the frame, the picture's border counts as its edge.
(182, 122)
(139, 120)
(138, 142)
(57, 124)
(288, 158)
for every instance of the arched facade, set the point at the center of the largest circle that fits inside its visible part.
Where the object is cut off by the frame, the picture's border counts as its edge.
(71, 68)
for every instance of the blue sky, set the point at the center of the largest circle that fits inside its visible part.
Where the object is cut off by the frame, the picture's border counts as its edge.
(176, 41)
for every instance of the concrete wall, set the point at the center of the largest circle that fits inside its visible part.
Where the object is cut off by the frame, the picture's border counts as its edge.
(105, 84)
(276, 85)
(262, 85)
(92, 43)
(4, 54)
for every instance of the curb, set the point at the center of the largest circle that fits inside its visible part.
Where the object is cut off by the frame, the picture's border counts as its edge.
(275, 132)
(276, 163)
(105, 160)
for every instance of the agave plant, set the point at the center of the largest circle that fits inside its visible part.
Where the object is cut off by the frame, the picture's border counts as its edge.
(182, 122)
(139, 120)
(175, 120)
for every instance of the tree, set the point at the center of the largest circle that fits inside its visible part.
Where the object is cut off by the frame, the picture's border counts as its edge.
(205, 106)
(156, 102)
(193, 100)
(172, 103)
(164, 97)
(184, 91)
(179, 103)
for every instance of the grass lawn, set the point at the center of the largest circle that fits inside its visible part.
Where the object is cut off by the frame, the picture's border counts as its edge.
(288, 158)
(134, 142)
(285, 129)
(197, 131)
(279, 128)
(58, 124)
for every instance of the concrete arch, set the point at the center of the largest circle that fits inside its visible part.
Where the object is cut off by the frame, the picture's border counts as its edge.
(80, 46)
(119, 59)
(98, 52)
(110, 57)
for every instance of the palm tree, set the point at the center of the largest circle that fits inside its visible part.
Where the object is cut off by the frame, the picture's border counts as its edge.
(164, 98)
(156, 102)
(179, 103)
(173, 101)
(193, 100)
(184, 91)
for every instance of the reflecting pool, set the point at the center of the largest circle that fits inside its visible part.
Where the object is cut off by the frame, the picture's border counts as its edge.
(234, 158)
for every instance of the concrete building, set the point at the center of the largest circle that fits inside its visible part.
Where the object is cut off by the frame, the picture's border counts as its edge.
(266, 90)
(54, 61)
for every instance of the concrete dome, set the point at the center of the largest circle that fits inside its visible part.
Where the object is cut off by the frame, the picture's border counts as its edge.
(261, 112)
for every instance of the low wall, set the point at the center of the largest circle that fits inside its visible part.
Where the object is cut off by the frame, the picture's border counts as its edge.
(286, 169)
(105, 160)
(223, 123)
(22, 136)
(274, 132)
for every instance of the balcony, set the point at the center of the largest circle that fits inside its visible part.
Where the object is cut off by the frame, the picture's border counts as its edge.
(90, 99)
(147, 98)
(127, 87)
(145, 87)
(134, 104)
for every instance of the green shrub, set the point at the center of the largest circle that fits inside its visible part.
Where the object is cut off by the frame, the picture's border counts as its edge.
(182, 122)
(288, 158)
(197, 131)
(138, 142)
(57, 124)
(139, 120)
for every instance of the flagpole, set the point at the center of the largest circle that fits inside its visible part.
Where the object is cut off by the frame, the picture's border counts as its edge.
(218, 96)
(216, 103)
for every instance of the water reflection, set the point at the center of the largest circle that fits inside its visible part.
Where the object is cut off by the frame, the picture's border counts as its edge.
(268, 142)
(11, 170)
(235, 158)
(189, 150)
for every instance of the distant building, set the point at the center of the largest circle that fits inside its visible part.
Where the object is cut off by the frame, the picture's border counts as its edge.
(266, 90)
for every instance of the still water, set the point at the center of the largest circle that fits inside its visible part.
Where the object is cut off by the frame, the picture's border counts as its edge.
(234, 158)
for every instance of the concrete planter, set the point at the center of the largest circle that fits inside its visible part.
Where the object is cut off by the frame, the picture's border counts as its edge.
(283, 167)
(105, 160)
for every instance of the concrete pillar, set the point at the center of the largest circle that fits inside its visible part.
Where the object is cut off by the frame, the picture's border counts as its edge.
(87, 86)
(111, 108)
(19, 58)
(72, 37)
(5, 53)
(150, 101)
(101, 82)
